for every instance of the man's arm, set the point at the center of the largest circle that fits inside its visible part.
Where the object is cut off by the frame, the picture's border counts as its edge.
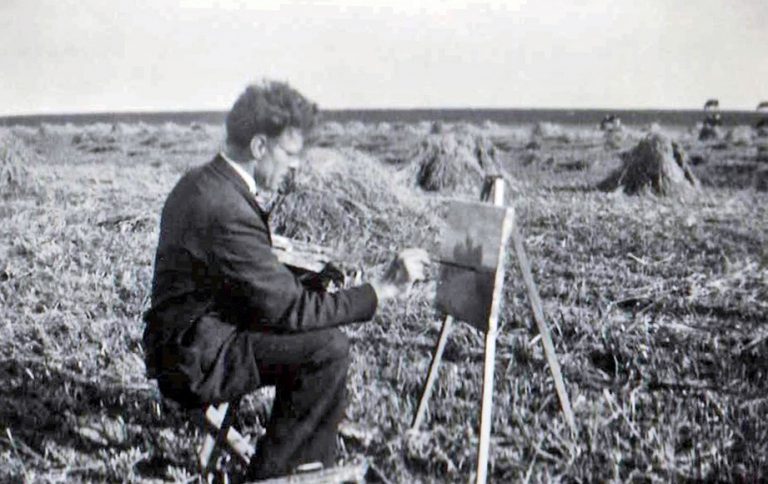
(251, 275)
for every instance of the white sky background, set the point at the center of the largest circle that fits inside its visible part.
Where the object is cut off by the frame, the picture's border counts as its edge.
(63, 56)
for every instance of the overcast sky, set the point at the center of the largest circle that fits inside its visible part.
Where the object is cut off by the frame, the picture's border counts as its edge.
(62, 56)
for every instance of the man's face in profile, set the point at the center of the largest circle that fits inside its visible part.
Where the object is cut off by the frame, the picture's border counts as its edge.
(281, 159)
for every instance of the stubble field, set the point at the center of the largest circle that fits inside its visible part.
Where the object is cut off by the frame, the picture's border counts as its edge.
(658, 306)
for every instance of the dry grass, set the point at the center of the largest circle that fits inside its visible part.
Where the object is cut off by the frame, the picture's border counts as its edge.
(658, 310)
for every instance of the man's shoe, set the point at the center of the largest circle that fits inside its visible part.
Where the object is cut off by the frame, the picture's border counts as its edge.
(308, 467)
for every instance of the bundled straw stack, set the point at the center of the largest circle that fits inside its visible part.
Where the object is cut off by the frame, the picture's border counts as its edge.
(655, 165)
(448, 160)
(15, 159)
(345, 199)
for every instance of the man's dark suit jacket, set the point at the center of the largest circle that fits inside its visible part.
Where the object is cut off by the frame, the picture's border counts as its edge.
(216, 277)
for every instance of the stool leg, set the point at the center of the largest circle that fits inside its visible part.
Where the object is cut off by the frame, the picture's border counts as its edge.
(204, 456)
(211, 446)
(237, 443)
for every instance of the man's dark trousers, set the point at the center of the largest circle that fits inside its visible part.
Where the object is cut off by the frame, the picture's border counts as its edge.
(309, 372)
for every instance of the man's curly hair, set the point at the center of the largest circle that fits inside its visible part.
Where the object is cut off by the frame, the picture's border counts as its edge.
(268, 108)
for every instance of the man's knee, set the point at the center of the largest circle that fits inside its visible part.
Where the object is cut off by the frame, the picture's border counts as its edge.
(331, 346)
(336, 345)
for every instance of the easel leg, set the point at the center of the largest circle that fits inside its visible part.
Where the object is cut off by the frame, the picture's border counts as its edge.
(546, 337)
(497, 191)
(487, 406)
(433, 368)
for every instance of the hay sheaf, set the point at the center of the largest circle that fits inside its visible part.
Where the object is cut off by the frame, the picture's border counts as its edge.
(346, 200)
(16, 178)
(551, 131)
(614, 138)
(739, 136)
(656, 165)
(454, 160)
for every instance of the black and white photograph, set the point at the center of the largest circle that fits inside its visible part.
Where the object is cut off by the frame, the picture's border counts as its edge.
(348, 241)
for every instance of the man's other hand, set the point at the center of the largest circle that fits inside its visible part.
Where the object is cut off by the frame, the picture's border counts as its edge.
(408, 267)
(332, 275)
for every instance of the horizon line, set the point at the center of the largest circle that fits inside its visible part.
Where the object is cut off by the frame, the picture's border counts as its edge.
(417, 108)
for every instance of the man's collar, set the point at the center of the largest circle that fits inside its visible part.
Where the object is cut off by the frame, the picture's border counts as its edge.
(265, 199)
(247, 177)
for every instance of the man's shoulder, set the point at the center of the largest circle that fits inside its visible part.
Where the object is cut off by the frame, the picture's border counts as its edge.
(200, 184)
(200, 174)
(207, 192)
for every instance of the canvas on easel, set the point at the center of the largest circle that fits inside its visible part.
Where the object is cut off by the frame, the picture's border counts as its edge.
(470, 251)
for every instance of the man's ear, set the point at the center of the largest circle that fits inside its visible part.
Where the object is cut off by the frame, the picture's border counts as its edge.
(258, 146)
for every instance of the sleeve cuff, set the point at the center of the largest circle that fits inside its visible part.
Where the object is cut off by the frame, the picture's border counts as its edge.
(364, 300)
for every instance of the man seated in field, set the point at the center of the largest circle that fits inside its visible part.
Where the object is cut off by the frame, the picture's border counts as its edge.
(227, 317)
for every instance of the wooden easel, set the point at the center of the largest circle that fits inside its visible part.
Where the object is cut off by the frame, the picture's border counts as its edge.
(494, 189)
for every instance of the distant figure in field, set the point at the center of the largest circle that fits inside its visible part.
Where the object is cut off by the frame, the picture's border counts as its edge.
(710, 128)
(713, 119)
(227, 317)
(610, 123)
